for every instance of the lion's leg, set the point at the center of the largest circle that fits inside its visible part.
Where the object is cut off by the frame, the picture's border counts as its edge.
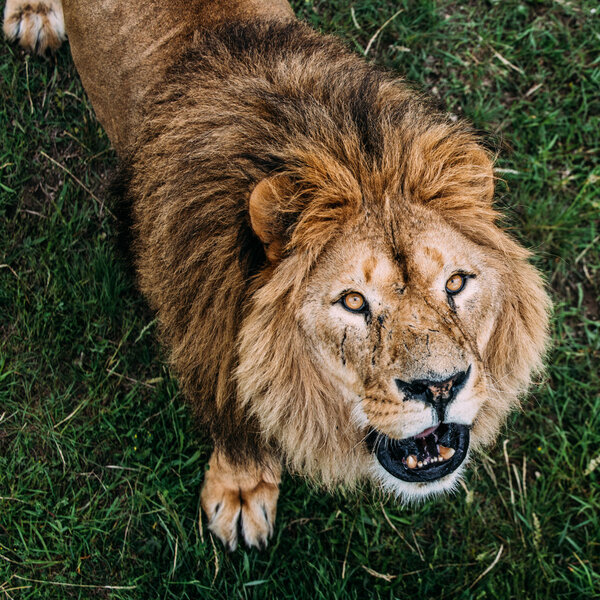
(240, 497)
(36, 24)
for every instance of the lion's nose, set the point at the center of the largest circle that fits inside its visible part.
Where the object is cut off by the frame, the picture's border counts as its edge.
(438, 392)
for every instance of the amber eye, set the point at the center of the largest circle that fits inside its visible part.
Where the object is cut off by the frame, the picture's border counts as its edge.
(354, 301)
(455, 284)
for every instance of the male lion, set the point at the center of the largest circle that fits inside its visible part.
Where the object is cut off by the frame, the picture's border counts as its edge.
(318, 242)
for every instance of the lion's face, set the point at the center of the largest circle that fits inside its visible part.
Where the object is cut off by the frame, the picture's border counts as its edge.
(403, 337)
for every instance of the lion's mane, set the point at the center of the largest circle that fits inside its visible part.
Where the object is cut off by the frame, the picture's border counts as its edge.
(246, 102)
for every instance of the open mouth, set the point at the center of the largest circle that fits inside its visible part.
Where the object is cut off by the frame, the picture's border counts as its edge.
(430, 455)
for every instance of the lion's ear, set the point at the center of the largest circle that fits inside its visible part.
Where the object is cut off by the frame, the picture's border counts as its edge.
(266, 215)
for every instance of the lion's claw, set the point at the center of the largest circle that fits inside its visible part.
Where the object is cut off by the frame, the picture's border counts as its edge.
(36, 25)
(237, 499)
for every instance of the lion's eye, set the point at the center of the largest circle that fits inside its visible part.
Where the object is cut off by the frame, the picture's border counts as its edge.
(455, 284)
(354, 302)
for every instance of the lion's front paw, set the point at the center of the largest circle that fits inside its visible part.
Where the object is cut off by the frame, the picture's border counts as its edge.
(36, 25)
(235, 499)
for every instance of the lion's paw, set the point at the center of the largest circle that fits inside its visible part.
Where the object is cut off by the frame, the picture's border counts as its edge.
(36, 25)
(236, 499)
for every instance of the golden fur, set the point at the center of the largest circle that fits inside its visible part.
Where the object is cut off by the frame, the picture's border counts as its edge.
(273, 171)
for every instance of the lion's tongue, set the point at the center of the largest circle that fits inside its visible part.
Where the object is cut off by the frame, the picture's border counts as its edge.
(426, 432)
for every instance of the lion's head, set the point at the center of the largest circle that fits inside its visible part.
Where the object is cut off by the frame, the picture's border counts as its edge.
(397, 324)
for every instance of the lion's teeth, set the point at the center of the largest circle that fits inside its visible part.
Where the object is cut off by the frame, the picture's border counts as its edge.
(447, 453)
(411, 461)
(419, 464)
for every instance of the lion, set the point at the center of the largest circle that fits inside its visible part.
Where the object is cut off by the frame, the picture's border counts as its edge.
(319, 243)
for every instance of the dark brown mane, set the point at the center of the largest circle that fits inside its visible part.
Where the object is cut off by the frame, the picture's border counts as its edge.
(249, 101)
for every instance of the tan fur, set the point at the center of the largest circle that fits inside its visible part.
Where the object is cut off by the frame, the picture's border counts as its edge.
(122, 49)
(269, 171)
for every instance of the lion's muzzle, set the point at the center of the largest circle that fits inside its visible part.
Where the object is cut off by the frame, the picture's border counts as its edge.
(437, 392)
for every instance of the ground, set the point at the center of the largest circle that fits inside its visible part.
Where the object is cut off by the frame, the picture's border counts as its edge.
(100, 464)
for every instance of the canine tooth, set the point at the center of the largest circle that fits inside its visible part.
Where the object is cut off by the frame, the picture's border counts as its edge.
(447, 453)
(419, 464)
(411, 461)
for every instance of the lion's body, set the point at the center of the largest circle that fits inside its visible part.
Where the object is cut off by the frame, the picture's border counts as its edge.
(271, 172)
(122, 49)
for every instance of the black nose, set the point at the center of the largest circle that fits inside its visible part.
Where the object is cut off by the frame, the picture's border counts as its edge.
(437, 392)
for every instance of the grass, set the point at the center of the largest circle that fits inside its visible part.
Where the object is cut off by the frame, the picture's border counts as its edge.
(100, 465)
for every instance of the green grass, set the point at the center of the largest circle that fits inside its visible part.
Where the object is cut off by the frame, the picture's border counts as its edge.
(100, 465)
